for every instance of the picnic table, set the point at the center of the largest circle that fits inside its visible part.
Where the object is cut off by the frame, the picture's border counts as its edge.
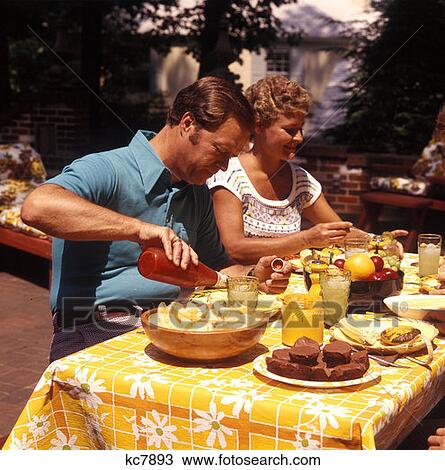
(126, 394)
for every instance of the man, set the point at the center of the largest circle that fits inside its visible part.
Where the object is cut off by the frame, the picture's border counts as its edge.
(103, 208)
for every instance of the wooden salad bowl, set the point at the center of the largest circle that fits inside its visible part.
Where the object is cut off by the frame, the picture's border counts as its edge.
(202, 345)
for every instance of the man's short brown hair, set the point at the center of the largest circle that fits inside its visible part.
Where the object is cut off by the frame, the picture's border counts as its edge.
(211, 100)
(275, 95)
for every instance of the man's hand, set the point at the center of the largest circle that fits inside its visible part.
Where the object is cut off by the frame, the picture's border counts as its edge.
(272, 282)
(437, 441)
(326, 234)
(176, 249)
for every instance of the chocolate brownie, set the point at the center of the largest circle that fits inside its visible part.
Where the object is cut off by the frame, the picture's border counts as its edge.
(347, 372)
(320, 371)
(304, 354)
(336, 353)
(281, 354)
(288, 369)
(304, 340)
(361, 357)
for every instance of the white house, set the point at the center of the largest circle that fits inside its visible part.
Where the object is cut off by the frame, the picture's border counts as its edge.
(317, 62)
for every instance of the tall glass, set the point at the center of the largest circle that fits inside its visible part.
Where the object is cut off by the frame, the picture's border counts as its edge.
(429, 245)
(302, 317)
(355, 245)
(243, 291)
(335, 286)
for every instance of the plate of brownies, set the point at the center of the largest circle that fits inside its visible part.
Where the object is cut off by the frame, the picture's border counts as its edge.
(307, 364)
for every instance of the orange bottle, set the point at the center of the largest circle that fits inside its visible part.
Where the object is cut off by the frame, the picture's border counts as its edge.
(154, 264)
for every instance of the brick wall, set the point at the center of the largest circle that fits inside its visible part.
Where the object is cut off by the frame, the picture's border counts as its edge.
(345, 175)
(57, 126)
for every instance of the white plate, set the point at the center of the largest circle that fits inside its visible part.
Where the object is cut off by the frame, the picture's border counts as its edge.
(382, 322)
(373, 373)
(416, 306)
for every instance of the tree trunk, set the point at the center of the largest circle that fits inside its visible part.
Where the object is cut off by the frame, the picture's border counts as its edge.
(91, 52)
(213, 13)
(5, 92)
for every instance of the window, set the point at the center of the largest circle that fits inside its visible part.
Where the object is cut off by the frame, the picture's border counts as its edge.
(277, 61)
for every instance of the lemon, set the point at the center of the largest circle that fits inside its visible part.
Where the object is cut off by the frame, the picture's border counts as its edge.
(360, 265)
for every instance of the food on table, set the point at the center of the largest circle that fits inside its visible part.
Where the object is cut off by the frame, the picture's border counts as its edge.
(378, 276)
(360, 357)
(385, 245)
(305, 351)
(360, 265)
(307, 361)
(199, 316)
(399, 335)
(336, 353)
(378, 262)
(340, 263)
(326, 255)
(281, 354)
(389, 273)
(429, 284)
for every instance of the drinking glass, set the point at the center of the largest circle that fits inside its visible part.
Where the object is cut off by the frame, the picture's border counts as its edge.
(335, 286)
(429, 245)
(243, 290)
(302, 317)
(355, 245)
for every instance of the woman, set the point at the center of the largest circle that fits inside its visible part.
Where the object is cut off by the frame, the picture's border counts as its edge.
(260, 198)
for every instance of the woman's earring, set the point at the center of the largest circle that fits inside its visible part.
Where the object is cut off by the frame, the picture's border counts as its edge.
(249, 146)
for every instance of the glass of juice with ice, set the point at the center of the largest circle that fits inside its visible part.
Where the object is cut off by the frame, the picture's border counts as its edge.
(429, 246)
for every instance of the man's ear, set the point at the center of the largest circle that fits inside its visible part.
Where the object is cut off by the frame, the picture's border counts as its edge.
(187, 123)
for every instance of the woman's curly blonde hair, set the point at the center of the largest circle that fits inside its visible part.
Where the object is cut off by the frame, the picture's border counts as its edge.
(275, 95)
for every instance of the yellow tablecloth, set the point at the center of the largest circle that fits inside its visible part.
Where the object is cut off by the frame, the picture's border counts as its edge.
(124, 394)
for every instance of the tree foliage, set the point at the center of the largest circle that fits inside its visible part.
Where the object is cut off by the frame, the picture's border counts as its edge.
(398, 82)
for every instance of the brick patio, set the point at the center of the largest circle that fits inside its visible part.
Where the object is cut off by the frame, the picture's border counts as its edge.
(25, 332)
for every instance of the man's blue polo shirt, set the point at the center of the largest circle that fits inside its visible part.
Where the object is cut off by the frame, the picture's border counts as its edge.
(132, 181)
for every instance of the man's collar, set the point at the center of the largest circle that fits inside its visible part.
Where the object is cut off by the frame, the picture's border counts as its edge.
(150, 165)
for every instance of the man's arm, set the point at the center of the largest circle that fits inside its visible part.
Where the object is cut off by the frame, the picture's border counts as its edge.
(62, 214)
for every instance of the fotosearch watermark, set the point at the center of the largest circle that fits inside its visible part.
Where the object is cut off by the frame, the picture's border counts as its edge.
(205, 314)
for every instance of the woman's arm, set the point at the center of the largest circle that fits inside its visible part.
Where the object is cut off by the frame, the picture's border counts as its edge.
(321, 212)
(244, 250)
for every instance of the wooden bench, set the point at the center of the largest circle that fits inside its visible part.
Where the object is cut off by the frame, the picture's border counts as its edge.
(36, 246)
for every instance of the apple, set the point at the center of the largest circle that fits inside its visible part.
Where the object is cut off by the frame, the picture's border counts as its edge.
(340, 263)
(377, 276)
(389, 273)
(378, 262)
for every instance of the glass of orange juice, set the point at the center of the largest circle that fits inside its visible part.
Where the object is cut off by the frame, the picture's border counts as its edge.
(302, 317)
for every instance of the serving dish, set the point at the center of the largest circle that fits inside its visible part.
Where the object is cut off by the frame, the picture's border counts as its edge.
(259, 365)
(195, 345)
(417, 307)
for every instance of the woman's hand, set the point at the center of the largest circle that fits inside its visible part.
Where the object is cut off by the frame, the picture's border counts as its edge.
(176, 249)
(326, 234)
(437, 441)
(272, 282)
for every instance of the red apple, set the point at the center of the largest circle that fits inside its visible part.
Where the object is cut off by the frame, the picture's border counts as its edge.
(378, 276)
(378, 262)
(340, 263)
(389, 273)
